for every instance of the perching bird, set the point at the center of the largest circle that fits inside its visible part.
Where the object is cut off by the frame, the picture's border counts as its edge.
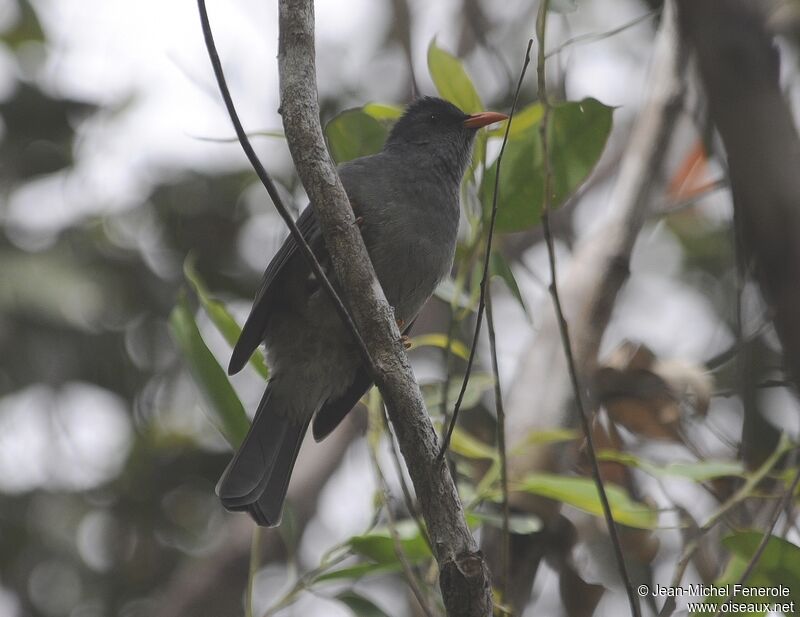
(406, 199)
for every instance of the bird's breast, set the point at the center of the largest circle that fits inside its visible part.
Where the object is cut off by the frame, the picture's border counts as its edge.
(412, 249)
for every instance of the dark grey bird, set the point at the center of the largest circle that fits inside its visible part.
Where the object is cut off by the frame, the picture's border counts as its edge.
(406, 199)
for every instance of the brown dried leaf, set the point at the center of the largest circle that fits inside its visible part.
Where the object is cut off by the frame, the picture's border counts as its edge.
(648, 395)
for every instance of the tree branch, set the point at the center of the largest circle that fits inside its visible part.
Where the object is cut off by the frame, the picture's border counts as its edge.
(266, 180)
(464, 577)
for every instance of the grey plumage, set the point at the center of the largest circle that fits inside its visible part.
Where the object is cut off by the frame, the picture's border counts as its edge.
(408, 198)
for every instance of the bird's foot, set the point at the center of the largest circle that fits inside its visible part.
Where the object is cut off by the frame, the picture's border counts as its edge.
(400, 323)
(406, 341)
(360, 222)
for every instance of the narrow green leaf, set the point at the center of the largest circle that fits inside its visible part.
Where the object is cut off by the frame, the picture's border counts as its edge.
(220, 317)
(354, 133)
(536, 438)
(461, 442)
(520, 524)
(223, 406)
(698, 471)
(440, 340)
(524, 119)
(358, 571)
(26, 28)
(452, 81)
(359, 605)
(378, 545)
(498, 266)
(582, 493)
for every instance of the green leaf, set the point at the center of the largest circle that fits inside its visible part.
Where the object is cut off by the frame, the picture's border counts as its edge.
(498, 266)
(578, 135)
(378, 545)
(537, 438)
(478, 384)
(582, 493)
(520, 524)
(26, 28)
(358, 571)
(778, 567)
(523, 120)
(779, 555)
(354, 133)
(519, 196)
(361, 606)
(223, 406)
(382, 112)
(452, 81)
(697, 471)
(440, 340)
(220, 317)
(577, 131)
(461, 442)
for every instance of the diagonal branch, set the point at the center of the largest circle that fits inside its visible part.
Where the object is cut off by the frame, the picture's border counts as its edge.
(266, 180)
(486, 260)
(563, 326)
(464, 577)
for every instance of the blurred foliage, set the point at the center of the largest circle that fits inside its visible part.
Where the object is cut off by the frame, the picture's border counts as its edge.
(136, 301)
(778, 568)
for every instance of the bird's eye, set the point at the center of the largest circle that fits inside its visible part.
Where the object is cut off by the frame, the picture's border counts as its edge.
(433, 118)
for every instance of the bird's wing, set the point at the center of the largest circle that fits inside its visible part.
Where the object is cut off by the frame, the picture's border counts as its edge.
(289, 258)
(334, 410)
(256, 324)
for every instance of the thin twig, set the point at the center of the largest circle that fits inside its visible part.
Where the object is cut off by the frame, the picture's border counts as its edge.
(562, 322)
(505, 546)
(785, 501)
(487, 258)
(376, 411)
(407, 496)
(593, 36)
(447, 361)
(266, 180)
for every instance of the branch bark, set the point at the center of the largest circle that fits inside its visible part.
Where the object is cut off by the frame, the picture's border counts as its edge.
(464, 576)
(597, 271)
(739, 69)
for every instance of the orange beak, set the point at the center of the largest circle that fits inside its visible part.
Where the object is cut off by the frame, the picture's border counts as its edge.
(476, 121)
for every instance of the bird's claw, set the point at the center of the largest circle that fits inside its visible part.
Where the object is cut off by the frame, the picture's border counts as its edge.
(360, 221)
(406, 341)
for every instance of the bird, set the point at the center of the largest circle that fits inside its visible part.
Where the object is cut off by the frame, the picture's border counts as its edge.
(406, 202)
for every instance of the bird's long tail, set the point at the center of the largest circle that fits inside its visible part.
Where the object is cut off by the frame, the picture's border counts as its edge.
(257, 478)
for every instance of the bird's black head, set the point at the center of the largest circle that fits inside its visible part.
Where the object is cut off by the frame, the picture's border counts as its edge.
(428, 120)
(435, 127)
